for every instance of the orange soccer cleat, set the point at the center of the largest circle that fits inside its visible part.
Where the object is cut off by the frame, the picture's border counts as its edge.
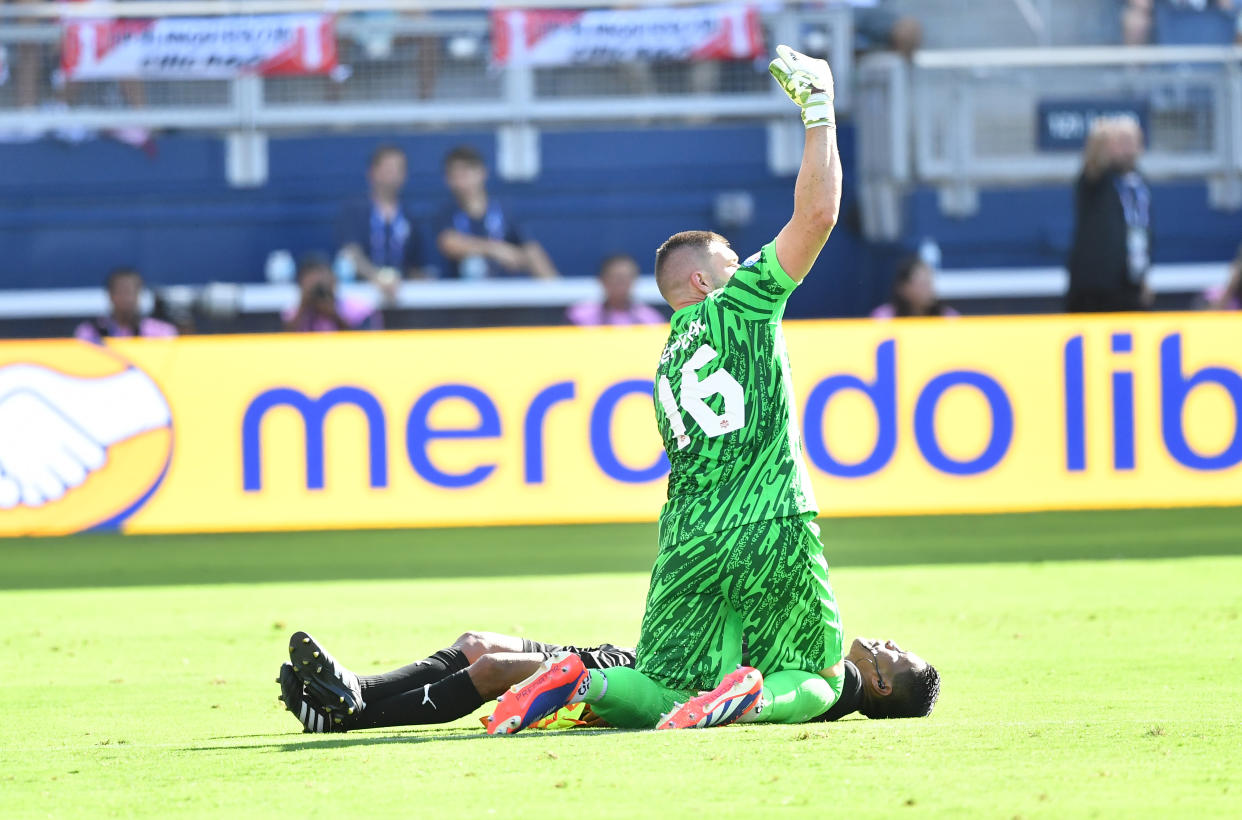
(735, 696)
(550, 688)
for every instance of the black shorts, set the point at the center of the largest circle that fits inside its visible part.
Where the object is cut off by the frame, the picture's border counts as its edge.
(603, 656)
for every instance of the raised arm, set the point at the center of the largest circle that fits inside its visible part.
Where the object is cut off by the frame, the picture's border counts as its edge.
(817, 192)
(817, 201)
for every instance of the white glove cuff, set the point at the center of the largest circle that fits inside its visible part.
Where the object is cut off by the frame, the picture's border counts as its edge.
(819, 111)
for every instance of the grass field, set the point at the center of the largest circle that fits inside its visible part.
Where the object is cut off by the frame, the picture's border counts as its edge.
(1090, 667)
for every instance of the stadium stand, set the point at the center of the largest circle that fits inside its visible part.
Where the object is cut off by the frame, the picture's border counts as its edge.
(1008, 24)
(600, 161)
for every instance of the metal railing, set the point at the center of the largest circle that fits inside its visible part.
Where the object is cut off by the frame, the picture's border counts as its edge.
(962, 120)
(401, 67)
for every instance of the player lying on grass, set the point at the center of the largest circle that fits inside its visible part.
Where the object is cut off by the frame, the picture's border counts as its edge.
(881, 681)
(740, 556)
(451, 683)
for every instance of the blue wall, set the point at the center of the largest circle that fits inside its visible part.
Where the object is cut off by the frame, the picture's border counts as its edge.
(68, 213)
(1033, 226)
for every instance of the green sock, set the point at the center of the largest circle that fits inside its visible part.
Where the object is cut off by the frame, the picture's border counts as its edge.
(632, 700)
(795, 697)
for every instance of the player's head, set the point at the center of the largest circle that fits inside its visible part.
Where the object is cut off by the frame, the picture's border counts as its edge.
(895, 683)
(124, 289)
(691, 264)
(617, 274)
(386, 171)
(465, 173)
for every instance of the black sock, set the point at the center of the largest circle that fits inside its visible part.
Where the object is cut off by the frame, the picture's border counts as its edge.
(440, 702)
(429, 670)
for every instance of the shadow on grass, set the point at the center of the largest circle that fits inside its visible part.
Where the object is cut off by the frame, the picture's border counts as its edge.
(97, 560)
(421, 735)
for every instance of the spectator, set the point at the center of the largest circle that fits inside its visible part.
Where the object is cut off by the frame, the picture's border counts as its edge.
(125, 318)
(617, 275)
(475, 235)
(1229, 295)
(376, 235)
(1136, 22)
(320, 309)
(880, 27)
(28, 64)
(914, 293)
(1181, 22)
(1110, 251)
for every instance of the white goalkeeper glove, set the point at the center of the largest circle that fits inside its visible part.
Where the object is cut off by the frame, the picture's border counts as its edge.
(808, 82)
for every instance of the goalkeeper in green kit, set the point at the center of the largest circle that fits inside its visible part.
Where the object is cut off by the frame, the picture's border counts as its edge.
(740, 560)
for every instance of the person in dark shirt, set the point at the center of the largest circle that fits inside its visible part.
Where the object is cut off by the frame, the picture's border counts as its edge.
(376, 234)
(881, 681)
(1111, 249)
(477, 237)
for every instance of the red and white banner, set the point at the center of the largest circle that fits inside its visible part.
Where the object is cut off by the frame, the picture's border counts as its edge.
(545, 37)
(198, 47)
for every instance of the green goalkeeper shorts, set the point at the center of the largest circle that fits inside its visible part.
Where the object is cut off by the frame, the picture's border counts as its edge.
(764, 582)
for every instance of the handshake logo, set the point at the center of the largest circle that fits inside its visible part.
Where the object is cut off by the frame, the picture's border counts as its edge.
(78, 451)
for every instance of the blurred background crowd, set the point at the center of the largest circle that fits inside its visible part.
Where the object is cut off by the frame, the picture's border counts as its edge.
(430, 164)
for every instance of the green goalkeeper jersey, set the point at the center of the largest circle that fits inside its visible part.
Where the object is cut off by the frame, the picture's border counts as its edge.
(725, 408)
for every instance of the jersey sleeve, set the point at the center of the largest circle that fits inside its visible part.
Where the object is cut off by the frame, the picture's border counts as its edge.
(759, 288)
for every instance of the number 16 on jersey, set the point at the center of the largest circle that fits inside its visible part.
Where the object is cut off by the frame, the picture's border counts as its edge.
(694, 391)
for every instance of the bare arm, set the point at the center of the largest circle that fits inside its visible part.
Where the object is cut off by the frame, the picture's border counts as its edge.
(817, 203)
(1097, 154)
(817, 192)
(362, 263)
(367, 271)
(457, 245)
(538, 262)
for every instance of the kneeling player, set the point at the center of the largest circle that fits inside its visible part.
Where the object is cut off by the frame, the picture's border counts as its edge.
(881, 681)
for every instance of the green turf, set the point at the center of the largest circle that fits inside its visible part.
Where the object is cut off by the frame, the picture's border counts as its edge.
(140, 675)
(100, 560)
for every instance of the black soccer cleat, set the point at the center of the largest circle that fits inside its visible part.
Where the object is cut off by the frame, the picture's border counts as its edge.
(327, 681)
(313, 717)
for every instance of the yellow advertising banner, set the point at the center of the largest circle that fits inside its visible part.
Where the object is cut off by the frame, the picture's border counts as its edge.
(449, 428)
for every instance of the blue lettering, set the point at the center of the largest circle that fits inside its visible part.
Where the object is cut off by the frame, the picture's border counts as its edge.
(925, 422)
(418, 434)
(533, 427)
(1123, 408)
(882, 393)
(1175, 387)
(1075, 408)
(601, 435)
(313, 412)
